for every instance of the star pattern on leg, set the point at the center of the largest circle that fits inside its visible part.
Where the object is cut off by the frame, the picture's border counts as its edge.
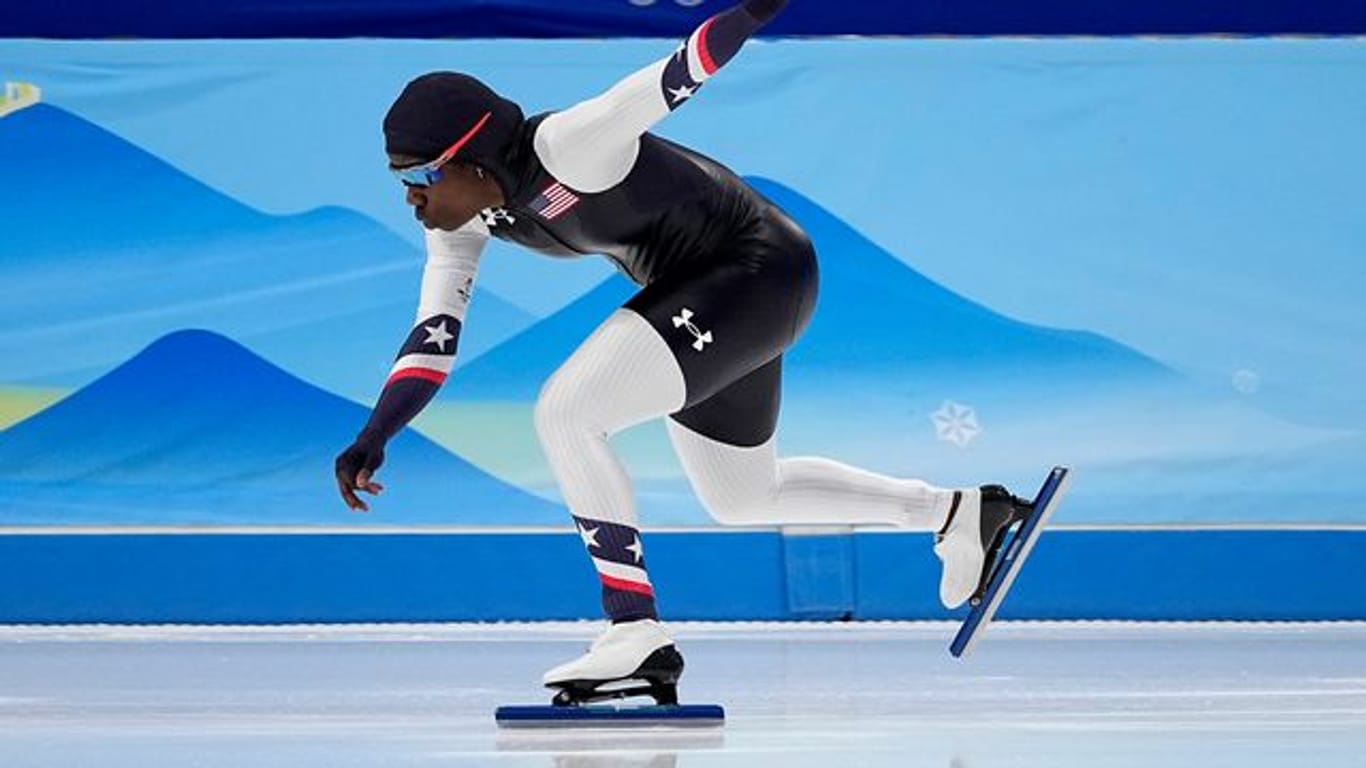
(636, 548)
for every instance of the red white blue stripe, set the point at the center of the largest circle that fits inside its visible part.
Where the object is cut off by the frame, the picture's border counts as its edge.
(619, 558)
(429, 352)
(625, 577)
(433, 368)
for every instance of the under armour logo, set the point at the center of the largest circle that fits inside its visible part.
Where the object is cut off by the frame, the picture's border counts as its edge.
(684, 320)
(494, 215)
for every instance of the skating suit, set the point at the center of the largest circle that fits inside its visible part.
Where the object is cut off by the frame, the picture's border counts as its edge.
(727, 279)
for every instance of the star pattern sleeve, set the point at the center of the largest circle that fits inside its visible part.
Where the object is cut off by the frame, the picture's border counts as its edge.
(592, 145)
(428, 354)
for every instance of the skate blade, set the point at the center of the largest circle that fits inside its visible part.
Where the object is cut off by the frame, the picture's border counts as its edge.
(578, 693)
(607, 716)
(1017, 550)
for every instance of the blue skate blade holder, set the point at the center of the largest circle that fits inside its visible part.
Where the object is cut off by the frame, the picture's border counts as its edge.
(1015, 550)
(607, 716)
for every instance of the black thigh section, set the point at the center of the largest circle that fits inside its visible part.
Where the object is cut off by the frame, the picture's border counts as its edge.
(744, 414)
(732, 317)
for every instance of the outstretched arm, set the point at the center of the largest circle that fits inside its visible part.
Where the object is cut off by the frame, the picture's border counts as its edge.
(425, 359)
(592, 145)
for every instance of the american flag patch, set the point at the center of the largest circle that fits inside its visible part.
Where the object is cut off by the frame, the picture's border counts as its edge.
(553, 201)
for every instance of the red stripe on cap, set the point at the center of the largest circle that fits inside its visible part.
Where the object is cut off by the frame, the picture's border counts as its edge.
(703, 53)
(627, 586)
(463, 140)
(426, 374)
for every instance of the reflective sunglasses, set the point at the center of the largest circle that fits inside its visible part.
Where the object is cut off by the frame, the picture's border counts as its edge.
(427, 174)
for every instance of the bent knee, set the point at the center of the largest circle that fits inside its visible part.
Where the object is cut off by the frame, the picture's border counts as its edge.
(562, 406)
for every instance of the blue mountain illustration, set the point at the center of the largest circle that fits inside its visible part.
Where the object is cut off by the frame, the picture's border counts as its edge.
(197, 429)
(107, 247)
(878, 321)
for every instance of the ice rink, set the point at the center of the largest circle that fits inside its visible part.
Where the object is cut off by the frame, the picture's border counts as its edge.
(877, 694)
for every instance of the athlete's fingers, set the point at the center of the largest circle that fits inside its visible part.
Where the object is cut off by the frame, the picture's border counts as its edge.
(365, 483)
(348, 494)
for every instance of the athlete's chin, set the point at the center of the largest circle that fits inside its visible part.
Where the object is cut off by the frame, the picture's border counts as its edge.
(444, 223)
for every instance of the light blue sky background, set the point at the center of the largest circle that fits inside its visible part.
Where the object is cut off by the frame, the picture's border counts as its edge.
(1199, 200)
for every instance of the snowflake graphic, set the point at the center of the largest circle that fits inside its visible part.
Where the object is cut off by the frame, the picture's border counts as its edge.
(1247, 382)
(956, 423)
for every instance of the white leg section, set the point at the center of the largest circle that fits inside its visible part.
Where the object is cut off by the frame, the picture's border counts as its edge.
(622, 375)
(751, 486)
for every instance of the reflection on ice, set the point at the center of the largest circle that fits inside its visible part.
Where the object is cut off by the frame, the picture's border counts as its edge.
(796, 695)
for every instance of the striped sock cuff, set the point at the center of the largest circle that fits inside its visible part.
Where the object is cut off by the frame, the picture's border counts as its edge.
(619, 557)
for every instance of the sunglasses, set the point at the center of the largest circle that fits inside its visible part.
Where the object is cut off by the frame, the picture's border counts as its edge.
(427, 174)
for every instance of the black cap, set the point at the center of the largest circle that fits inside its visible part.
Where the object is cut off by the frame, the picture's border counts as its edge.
(440, 108)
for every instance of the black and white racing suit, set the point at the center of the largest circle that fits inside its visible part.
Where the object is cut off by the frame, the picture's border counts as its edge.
(727, 282)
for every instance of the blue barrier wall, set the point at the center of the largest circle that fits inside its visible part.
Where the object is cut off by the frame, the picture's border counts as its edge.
(291, 578)
(595, 18)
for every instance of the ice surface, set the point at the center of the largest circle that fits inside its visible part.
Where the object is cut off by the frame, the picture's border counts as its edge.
(879, 694)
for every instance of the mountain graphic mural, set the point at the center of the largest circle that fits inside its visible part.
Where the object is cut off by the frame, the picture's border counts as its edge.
(877, 320)
(106, 247)
(197, 429)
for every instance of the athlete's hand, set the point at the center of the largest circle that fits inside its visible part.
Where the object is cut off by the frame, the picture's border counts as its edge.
(355, 466)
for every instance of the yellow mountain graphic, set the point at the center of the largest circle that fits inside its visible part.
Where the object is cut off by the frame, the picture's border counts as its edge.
(19, 95)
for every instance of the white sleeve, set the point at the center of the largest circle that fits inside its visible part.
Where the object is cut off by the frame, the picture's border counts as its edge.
(593, 145)
(452, 265)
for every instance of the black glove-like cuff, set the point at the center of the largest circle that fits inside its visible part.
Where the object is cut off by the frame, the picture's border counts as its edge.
(365, 454)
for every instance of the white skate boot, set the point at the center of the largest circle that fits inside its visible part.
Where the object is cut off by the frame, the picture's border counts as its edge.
(633, 658)
(970, 540)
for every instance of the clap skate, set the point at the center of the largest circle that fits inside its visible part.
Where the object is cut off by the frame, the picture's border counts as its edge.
(969, 544)
(1008, 527)
(656, 677)
(629, 660)
(997, 510)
